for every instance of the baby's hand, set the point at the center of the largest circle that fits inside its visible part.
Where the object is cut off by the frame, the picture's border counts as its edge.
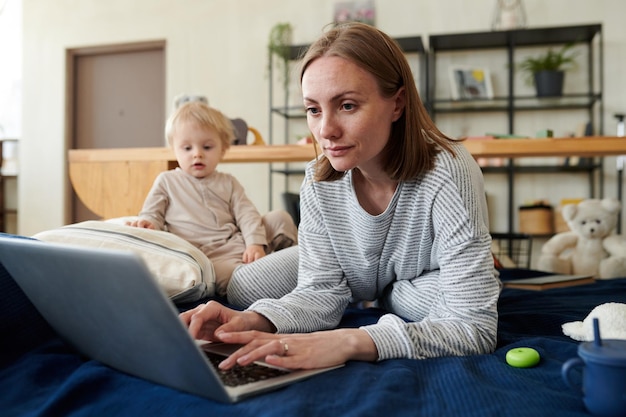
(144, 224)
(252, 253)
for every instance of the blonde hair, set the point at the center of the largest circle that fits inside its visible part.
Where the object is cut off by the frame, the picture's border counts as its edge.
(415, 139)
(205, 116)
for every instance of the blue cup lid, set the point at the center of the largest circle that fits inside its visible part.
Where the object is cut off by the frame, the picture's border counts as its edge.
(610, 352)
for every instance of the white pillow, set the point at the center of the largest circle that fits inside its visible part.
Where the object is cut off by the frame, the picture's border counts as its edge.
(181, 269)
(122, 220)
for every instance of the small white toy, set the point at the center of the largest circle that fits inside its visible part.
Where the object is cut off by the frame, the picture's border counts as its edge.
(611, 318)
(590, 246)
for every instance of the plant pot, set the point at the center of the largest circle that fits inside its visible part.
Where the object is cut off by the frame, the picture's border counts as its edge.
(549, 83)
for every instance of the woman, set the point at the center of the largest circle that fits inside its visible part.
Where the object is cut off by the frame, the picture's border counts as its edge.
(392, 211)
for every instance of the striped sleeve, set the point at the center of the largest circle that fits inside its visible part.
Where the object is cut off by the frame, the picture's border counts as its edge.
(426, 260)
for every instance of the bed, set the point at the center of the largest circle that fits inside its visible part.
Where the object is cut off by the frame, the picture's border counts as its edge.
(40, 375)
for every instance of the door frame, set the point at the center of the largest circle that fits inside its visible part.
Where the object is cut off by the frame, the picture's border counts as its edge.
(71, 55)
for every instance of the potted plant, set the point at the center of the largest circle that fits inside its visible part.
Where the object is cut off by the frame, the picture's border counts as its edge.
(279, 45)
(547, 71)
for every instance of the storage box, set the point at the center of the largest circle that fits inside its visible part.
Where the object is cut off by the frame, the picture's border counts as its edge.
(537, 219)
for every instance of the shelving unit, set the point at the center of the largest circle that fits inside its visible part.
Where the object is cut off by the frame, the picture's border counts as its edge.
(8, 187)
(286, 113)
(510, 103)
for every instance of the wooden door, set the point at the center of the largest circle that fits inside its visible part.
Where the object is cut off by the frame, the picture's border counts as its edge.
(116, 100)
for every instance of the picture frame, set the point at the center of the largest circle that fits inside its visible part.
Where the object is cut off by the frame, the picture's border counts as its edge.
(355, 11)
(470, 83)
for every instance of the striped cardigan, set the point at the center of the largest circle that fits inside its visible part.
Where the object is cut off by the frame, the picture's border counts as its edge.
(426, 260)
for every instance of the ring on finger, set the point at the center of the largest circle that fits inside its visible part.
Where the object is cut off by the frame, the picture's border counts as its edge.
(285, 347)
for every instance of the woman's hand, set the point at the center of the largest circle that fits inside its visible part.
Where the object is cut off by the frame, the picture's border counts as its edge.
(300, 351)
(216, 323)
(208, 321)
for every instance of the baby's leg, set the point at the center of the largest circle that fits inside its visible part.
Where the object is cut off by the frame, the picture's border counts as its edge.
(269, 277)
(224, 266)
(280, 229)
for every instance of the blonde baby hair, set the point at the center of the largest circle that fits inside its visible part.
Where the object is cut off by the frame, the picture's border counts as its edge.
(205, 116)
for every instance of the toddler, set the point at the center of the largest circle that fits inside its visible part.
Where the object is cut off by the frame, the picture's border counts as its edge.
(206, 207)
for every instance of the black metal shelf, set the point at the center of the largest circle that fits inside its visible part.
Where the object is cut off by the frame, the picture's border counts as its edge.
(288, 171)
(290, 112)
(510, 103)
(521, 103)
(510, 38)
(542, 169)
(409, 44)
(509, 42)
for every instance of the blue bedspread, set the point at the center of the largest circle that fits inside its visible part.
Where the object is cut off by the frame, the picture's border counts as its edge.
(41, 376)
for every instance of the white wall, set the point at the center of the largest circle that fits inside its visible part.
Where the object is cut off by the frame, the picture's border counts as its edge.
(218, 48)
(11, 68)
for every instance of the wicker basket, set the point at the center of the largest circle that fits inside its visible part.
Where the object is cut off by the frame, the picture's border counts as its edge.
(536, 220)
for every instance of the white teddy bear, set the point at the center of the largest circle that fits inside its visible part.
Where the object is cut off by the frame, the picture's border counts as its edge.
(590, 247)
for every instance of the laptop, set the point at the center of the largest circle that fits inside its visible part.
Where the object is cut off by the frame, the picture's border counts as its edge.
(107, 305)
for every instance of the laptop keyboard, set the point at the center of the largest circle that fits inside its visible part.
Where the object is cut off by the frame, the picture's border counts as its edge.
(241, 375)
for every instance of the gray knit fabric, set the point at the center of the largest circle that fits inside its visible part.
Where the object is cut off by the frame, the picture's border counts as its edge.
(272, 276)
(427, 260)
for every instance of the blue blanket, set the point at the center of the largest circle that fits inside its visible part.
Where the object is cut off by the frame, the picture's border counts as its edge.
(41, 376)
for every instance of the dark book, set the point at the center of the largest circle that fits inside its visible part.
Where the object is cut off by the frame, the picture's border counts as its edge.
(549, 281)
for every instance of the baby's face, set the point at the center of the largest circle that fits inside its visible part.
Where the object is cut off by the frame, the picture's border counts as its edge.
(198, 149)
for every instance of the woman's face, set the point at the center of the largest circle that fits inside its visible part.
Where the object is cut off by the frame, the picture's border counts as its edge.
(347, 115)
